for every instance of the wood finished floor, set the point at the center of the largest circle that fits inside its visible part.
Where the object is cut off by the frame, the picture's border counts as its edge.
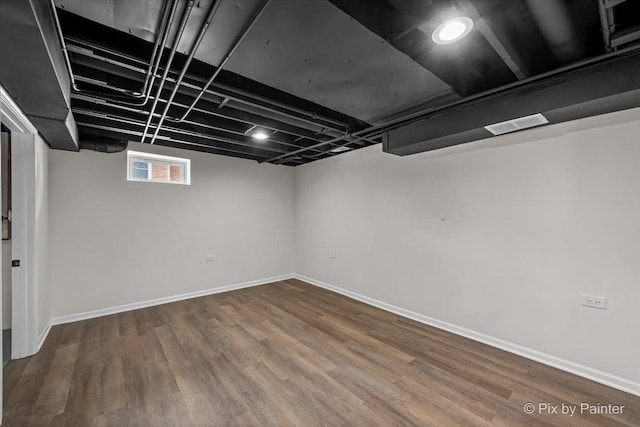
(283, 354)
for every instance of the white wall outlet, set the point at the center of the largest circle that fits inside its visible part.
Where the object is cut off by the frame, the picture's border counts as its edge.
(332, 255)
(210, 258)
(594, 301)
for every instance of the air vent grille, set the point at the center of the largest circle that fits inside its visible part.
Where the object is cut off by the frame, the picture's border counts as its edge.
(517, 124)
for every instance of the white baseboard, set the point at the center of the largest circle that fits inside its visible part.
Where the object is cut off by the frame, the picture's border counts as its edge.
(43, 336)
(544, 358)
(158, 301)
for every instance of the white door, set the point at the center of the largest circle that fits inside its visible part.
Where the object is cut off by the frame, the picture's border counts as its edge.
(24, 299)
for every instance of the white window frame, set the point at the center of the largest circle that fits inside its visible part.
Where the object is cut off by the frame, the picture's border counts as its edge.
(133, 156)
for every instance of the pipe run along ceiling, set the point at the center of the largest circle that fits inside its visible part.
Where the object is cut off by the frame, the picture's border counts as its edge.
(316, 76)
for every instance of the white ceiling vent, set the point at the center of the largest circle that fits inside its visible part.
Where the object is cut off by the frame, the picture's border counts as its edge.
(517, 124)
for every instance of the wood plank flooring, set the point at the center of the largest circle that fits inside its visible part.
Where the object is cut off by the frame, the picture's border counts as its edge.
(283, 354)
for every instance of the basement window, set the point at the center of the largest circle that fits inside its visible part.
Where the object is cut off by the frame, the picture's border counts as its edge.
(156, 168)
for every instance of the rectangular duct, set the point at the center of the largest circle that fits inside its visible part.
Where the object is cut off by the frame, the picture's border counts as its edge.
(605, 87)
(33, 71)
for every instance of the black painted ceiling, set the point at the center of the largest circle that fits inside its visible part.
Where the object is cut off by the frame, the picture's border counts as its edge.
(317, 73)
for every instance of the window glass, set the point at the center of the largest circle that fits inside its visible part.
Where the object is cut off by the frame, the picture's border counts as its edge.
(157, 168)
(175, 173)
(159, 172)
(140, 170)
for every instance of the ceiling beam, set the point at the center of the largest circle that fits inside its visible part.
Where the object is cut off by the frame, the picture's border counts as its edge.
(232, 109)
(105, 107)
(503, 48)
(230, 117)
(625, 36)
(611, 3)
(86, 116)
(102, 130)
(238, 96)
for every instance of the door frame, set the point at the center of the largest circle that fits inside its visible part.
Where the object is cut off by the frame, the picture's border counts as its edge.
(24, 316)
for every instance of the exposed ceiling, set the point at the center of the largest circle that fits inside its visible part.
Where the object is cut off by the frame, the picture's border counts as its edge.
(318, 76)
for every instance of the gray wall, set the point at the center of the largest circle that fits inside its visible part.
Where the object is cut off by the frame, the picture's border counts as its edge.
(498, 236)
(116, 242)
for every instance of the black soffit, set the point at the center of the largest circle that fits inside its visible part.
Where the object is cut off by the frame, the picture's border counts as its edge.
(596, 89)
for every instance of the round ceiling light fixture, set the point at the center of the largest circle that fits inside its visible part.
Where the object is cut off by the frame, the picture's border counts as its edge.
(259, 135)
(452, 30)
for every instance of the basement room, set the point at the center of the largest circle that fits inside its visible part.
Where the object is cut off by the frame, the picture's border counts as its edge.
(320, 212)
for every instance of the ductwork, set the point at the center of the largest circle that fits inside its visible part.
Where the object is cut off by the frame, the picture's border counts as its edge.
(33, 71)
(600, 88)
(559, 27)
(103, 145)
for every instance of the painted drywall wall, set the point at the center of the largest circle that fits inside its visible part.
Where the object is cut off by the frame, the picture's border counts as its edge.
(115, 242)
(499, 236)
(42, 232)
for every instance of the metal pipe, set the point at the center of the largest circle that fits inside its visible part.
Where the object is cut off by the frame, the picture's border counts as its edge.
(165, 35)
(390, 124)
(63, 44)
(177, 141)
(237, 95)
(374, 135)
(99, 100)
(605, 24)
(81, 51)
(208, 126)
(322, 144)
(194, 48)
(226, 59)
(253, 104)
(113, 117)
(160, 35)
(176, 41)
(67, 60)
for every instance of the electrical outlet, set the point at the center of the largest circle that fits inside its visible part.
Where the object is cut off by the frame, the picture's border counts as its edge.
(332, 255)
(210, 258)
(594, 301)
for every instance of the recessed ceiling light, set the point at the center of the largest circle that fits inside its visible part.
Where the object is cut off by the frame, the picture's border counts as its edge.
(340, 149)
(452, 30)
(259, 135)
